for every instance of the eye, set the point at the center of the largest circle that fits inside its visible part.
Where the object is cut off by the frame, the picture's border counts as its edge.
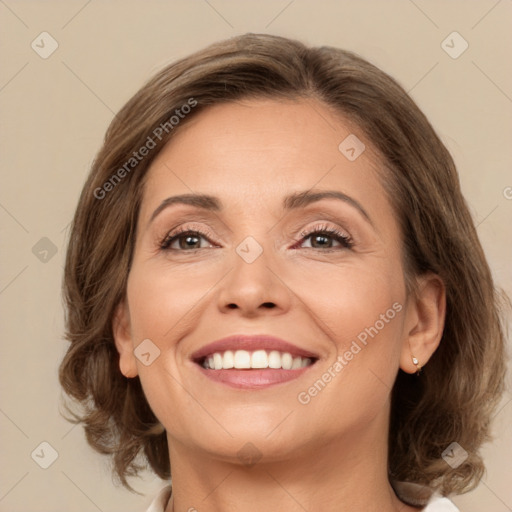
(321, 237)
(187, 239)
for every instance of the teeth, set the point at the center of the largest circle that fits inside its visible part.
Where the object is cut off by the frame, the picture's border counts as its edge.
(259, 359)
(287, 361)
(274, 359)
(217, 361)
(297, 362)
(228, 361)
(242, 359)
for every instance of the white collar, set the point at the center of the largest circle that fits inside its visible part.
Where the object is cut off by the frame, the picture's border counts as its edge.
(411, 493)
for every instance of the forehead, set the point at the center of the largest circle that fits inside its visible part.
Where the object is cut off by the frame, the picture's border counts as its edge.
(253, 152)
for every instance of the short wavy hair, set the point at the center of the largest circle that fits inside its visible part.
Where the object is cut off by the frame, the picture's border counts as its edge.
(455, 395)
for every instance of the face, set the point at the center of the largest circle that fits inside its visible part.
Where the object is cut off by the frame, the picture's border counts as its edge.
(324, 275)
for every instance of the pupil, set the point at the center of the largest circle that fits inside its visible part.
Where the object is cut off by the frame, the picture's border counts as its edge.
(187, 239)
(321, 237)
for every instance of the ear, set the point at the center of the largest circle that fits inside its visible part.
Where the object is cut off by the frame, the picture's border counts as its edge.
(121, 329)
(424, 322)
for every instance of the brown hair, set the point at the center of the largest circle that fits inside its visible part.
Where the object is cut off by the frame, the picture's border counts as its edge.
(457, 392)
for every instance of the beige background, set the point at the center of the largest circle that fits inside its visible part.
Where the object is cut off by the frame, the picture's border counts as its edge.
(54, 114)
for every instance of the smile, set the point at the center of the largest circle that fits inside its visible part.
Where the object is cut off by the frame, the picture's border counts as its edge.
(252, 361)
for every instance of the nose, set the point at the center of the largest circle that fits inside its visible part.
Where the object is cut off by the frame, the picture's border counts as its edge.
(255, 287)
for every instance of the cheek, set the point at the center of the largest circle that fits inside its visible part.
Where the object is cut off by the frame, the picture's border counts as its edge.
(164, 307)
(360, 309)
(362, 314)
(349, 298)
(163, 301)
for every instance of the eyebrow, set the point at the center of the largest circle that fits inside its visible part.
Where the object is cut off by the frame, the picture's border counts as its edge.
(290, 202)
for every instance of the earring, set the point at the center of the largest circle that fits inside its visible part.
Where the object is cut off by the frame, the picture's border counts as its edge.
(418, 366)
(414, 360)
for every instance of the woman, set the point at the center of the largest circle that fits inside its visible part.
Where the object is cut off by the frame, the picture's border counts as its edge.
(276, 293)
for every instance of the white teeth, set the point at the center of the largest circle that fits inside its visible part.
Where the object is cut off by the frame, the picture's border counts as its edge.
(287, 361)
(259, 359)
(228, 360)
(297, 362)
(242, 359)
(274, 359)
(217, 361)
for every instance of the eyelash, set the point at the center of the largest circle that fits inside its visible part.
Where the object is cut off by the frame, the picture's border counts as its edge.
(169, 239)
(344, 239)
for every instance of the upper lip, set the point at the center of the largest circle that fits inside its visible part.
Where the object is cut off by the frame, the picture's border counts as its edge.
(250, 343)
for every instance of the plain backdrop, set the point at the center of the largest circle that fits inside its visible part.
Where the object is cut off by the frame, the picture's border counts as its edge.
(56, 107)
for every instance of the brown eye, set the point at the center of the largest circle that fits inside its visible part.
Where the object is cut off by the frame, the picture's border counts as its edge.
(322, 237)
(187, 240)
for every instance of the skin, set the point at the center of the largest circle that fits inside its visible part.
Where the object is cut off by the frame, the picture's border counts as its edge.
(331, 453)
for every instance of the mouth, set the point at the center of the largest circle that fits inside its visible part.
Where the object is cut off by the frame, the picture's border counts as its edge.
(251, 362)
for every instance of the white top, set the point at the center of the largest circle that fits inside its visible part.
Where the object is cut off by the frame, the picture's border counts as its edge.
(435, 503)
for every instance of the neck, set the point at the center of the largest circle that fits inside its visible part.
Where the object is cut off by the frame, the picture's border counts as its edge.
(348, 473)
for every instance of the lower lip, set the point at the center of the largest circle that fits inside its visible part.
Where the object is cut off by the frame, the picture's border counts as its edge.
(253, 379)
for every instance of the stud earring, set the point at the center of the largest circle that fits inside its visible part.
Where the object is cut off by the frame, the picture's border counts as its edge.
(418, 366)
(415, 361)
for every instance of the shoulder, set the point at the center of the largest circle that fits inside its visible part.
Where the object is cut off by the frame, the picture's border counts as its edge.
(440, 504)
(419, 495)
(160, 501)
